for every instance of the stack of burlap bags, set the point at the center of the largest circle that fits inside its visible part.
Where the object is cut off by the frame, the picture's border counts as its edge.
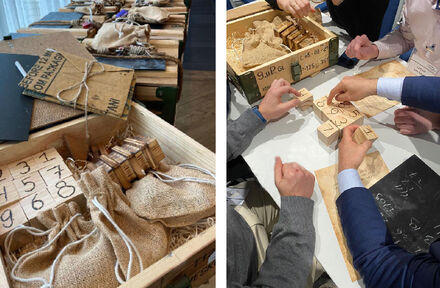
(123, 235)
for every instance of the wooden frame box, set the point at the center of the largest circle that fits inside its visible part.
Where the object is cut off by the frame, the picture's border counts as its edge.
(193, 260)
(294, 66)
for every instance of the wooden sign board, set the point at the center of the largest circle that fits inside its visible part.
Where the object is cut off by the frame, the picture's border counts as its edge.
(372, 169)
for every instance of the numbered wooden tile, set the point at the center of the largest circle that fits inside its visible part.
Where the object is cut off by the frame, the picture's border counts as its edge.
(29, 184)
(47, 157)
(23, 167)
(64, 190)
(364, 133)
(10, 217)
(55, 172)
(5, 174)
(37, 202)
(8, 193)
(328, 132)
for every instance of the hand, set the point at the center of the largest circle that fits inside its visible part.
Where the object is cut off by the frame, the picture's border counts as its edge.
(271, 106)
(362, 48)
(410, 121)
(351, 154)
(353, 88)
(292, 179)
(297, 8)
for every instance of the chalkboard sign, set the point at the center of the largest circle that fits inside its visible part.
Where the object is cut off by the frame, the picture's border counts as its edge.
(409, 202)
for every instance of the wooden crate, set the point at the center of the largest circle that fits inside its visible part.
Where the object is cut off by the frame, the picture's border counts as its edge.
(294, 66)
(193, 259)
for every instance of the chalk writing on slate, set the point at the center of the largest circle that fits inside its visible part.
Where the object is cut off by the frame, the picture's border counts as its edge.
(408, 199)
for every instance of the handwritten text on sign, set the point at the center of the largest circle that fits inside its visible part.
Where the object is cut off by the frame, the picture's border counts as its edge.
(311, 60)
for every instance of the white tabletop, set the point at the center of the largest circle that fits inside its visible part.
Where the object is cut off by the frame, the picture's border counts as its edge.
(294, 138)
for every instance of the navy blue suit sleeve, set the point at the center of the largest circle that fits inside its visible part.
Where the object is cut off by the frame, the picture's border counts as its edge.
(379, 261)
(422, 92)
(273, 3)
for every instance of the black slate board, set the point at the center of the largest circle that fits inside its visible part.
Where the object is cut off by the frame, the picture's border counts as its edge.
(409, 201)
(136, 64)
(15, 108)
(62, 16)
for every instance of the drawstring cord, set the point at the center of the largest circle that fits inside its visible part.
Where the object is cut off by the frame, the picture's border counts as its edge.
(170, 179)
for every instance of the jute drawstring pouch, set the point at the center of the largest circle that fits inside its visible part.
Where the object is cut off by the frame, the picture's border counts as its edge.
(148, 14)
(179, 197)
(115, 35)
(75, 253)
(136, 242)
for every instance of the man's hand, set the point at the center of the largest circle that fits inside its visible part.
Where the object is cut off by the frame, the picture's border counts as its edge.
(410, 121)
(351, 154)
(292, 179)
(362, 48)
(297, 8)
(353, 88)
(271, 106)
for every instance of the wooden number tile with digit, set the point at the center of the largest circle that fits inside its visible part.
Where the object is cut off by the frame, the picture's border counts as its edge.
(328, 132)
(283, 26)
(29, 184)
(364, 133)
(144, 146)
(55, 172)
(5, 174)
(137, 167)
(8, 193)
(124, 164)
(306, 99)
(286, 33)
(318, 106)
(155, 150)
(37, 202)
(64, 190)
(47, 157)
(23, 167)
(140, 158)
(121, 176)
(10, 217)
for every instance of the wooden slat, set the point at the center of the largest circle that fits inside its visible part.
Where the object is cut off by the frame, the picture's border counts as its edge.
(246, 10)
(77, 32)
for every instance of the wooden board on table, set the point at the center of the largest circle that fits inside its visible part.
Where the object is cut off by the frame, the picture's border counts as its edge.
(372, 169)
(79, 33)
(45, 113)
(246, 10)
(373, 105)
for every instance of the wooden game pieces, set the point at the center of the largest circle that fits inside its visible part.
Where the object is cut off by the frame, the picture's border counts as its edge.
(364, 133)
(306, 99)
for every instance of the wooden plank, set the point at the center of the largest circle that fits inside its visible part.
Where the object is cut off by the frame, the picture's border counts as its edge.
(77, 32)
(155, 82)
(246, 10)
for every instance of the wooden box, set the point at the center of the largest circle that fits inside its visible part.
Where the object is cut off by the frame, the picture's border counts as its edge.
(294, 66)
(193, 261)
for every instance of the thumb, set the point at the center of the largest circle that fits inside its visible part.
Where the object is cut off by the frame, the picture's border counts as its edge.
(278, 170)
(312, 9)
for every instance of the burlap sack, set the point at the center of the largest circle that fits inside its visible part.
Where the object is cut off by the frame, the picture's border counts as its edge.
(115, 35)
(94, 8)
(140, 3)
(148, 14)
(177, 203)
(131, 237)
(87, 263)
(261, 45)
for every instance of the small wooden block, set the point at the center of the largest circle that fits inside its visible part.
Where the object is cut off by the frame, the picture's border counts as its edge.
(318, 106)
(298, 40)
(137, 166)
(156, 151)
(64, 190)
(290, 39)
(283, 26)
(107, 169)
(124, 164)
(23, 167)
(328, 132)
(138, 155)
(5, 174)
(364, 133)
(78, 148)
(47, 157)
(122, 178)
(305, 105)
(286, 33)
(8, 193)
(37, 202)
(29, 184)
(55, 172)
(10, 217)
(306, 42)
(306, 99)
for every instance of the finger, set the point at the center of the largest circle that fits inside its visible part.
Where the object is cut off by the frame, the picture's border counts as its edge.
(295, 92)
(403, 120)
(342, 97)
(282, 82)
(286, 106)
(296, 8)
(363, 40)
(278, 170)
(407, 130)
(274, 83)
(283, 90)
(347, 132)
(292, 11)
(335, 91)
(366, 146)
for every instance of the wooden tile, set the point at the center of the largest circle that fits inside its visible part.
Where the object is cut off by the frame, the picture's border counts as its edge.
(8, 193)
(47, 157)
(36, 203)
(64, 190)
(23, 167)
(55, 172)
(10, 217)
(306, 99)
(5, 174)
(318, 106)
(328, 132)
(283, 26)
(29, 184)
(155, 150)
(364, 133)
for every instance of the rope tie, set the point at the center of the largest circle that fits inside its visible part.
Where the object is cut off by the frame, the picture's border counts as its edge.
(130, 246)
(37, 232)
(170, 179)
(81, 85)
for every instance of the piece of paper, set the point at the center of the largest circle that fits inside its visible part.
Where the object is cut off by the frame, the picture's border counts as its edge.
(372, 169)
(373, 105)
(58, 73)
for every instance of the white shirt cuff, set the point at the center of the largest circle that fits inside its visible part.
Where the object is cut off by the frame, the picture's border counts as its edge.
(349, 178)
(390, 88)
